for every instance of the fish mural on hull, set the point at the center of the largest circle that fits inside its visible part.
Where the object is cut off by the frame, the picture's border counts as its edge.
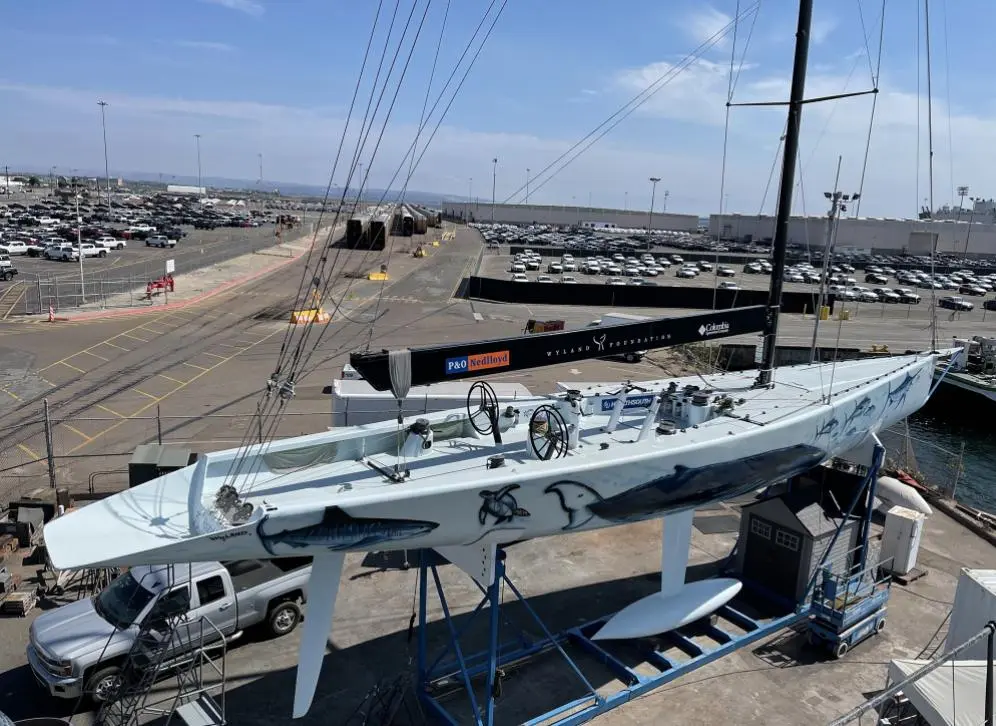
(340, 531)
(685, 488)
(897, 395)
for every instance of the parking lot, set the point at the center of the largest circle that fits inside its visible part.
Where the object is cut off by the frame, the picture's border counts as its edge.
(204, 235)
(848, 286)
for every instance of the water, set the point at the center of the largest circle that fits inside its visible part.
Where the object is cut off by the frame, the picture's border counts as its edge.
(938, 431)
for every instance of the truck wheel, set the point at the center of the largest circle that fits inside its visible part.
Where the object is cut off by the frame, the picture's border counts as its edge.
(119, 247)
(284, 617)
(103, 684)
(880, 626)
(102, 253)
(841, 650)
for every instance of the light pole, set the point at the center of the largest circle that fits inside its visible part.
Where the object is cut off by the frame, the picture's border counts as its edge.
(962, 192)
(107, 172)
(79, 242)
(527, 185)
(838, 204)
(625, 201)
(666, 195)
(198, 137)
(470, 195)
(650, 219)
(494, 184)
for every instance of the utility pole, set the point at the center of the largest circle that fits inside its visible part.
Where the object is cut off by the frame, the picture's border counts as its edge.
(838, 205)
(198, 137)
(650, 219)
(107, 171)
(527, 185)
(6, 174)
(494, 184)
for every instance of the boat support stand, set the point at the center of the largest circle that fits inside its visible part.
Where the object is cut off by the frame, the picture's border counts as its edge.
(450, 677)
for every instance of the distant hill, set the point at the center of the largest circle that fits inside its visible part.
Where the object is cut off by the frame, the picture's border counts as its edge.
(293, 189)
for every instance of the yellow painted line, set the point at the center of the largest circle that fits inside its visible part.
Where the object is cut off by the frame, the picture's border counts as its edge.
(215, 355)
(147, 406)
(135, 337)
(14, 304)
(76, 431)
(113, 345)
(45, 380)
(109, 410)
(169, 378)
(89, 352)
(139, 390)
(12, 394)
(28, 451)
(70, 365)
(200, 368)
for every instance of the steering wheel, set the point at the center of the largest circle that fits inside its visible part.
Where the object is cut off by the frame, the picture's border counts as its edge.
(483, 418)
(548, 433)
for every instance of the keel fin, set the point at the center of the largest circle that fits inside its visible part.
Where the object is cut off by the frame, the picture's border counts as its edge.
(476, 560)
(322, 590)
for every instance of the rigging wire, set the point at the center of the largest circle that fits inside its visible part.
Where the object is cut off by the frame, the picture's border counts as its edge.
(411, 166)
(876, 76)
(613, 120)
(930, 175)
(947, 91)
(272, 427)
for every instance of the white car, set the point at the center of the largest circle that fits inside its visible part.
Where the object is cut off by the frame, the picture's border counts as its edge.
(519, 277)
(866, 296)
(569, 266)
(555, 267)
(544, 278)
(728, 285)
(568, 280)
(615, 281)
(110, 243)
(64, 252)
(14, 247)
(160, 240)
(686, 272)
(517, 267)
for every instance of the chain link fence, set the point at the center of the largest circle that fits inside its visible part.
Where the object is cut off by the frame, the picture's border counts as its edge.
(47, 451)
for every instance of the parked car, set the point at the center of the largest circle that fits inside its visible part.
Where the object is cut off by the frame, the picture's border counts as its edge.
(907, 296)
(78, 649)
(519, 277)
(63, 252)
(7, 269)
(89, 249)
(110, 243)
(989, 304)
(726, 272)
(954, 302)
(13, 247)
(686, 272)
(972, 289)
(728, 285)
(876, 277)
(161, 240)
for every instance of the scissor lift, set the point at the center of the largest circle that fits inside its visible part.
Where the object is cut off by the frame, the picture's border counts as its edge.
(846, 609)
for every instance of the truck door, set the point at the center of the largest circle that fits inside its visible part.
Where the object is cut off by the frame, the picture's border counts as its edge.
(216, 603)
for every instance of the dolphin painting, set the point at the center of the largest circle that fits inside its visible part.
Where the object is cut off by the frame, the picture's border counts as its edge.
(685, 488)
(340, 531)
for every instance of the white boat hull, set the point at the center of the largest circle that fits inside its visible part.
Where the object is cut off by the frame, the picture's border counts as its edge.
(311, 497)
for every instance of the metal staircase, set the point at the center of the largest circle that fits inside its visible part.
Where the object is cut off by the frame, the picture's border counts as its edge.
(192, 653)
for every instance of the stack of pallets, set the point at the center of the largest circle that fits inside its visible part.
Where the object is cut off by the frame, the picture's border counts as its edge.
(19, 602)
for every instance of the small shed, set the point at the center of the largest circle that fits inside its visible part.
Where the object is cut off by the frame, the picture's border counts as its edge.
(783, 538)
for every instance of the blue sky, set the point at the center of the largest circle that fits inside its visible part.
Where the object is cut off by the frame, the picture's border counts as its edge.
(274, 77)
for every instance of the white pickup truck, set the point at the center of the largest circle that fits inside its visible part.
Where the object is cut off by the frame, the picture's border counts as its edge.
(80, 648)
(89, 249)
(160, 240)
(110, 243)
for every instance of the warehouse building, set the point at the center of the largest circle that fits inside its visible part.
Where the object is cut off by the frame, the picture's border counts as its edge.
(594, 217)
(868, 234)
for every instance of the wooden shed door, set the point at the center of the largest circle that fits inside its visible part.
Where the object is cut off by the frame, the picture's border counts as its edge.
(773, 555)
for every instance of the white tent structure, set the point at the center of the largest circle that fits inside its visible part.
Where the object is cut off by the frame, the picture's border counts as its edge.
(951, 695)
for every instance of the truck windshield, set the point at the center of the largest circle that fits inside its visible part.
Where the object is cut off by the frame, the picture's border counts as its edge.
(122, 601)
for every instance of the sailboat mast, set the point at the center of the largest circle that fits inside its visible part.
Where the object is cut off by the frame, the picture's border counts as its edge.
(789, 160)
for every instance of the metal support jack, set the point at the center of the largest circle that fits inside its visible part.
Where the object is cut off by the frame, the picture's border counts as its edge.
(453, 670)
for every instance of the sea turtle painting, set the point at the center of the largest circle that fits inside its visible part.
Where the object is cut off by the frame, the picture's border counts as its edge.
(501, 505)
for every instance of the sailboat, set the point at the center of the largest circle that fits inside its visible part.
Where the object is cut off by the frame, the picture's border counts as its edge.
(466, 481)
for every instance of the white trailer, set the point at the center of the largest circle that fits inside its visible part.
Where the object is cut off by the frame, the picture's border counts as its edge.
(355, 402)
